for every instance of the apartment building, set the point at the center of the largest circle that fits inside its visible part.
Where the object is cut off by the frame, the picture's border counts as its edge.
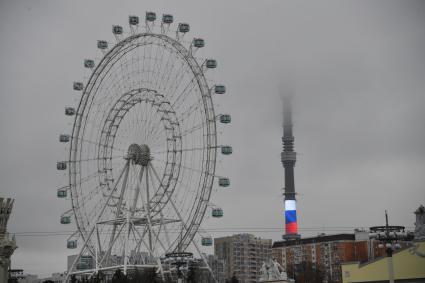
(243, 255)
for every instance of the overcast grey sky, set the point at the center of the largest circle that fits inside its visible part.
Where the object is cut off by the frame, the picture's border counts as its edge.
(356, 69)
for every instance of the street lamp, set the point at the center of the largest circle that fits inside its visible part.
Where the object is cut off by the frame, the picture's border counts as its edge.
(389, 237)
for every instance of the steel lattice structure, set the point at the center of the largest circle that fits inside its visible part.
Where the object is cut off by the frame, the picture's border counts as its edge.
(143, 149)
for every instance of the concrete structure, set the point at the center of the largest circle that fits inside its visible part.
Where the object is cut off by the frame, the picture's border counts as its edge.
(288, 158)
(409, 266)
(408, 263)
(21, 277)
(243, 255)
(7, 243)
(326, 252)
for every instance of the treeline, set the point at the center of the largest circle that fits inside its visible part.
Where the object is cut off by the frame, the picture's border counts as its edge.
(193, 275)
(148, 275)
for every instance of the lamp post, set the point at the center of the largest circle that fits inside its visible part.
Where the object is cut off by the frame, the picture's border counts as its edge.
(389, 237)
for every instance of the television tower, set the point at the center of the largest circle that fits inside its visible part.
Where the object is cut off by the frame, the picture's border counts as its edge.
(288, 158)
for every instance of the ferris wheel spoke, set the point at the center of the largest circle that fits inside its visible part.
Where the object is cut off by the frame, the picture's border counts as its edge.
(191, 169)
(194, 128)
(189, 86)
(172, 87)
(156, 64)
(169, 75)
(87, 178)
(190, 111)
(151, 124)
(100, 158)
(185, 149)
(97, 143)
(166, 74)
(160, 67)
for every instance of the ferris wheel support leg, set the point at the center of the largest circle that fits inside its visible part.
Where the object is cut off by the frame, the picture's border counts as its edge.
(161, 270)
(148, 209)
(99, 247)
(136, 194)
(157, 240)
(148, 216)
(193, 242)
(96, 267)
(167, 237)
(119, 208)
(109, 250)
(94, 226)
(162, 216)
(126, 243)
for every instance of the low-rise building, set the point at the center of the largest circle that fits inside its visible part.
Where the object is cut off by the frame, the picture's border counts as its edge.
(408, 262)
(325, 252)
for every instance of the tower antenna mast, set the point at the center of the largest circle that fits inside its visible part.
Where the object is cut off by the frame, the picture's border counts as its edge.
(288, 158)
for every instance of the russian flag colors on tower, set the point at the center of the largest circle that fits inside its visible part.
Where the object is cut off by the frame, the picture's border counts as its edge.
(291, 217)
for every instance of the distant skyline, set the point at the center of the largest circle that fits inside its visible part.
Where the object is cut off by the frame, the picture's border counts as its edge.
(355, 69)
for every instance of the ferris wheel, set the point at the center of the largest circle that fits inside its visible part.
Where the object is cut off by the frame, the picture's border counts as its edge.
(143, 149)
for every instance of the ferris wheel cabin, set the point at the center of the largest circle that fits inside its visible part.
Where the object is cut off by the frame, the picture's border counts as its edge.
(225, 118)
(102, 44)
(69, 111)
(133, 20)
(226, 150)
(219, 89)
(62, 193)
(217, 212)
(167, 19)
(65, 219)
(88, 63)
(61, 165)
(71, 244)
(77, 86)
(150, 16)
(211, 63)
(117, 30)
(207, 241)
(198, 42)
(223, 182)
(64, 138)
(183, 27)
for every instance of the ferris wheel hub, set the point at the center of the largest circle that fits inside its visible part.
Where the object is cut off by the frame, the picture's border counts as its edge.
(139, 154)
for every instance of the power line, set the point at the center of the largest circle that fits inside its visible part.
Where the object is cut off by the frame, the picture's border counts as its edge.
(212, 230)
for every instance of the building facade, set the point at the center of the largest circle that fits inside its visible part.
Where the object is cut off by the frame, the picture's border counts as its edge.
(406, 263)
(325, 252)
(7, 243)
(243, 255)
(408, 266)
